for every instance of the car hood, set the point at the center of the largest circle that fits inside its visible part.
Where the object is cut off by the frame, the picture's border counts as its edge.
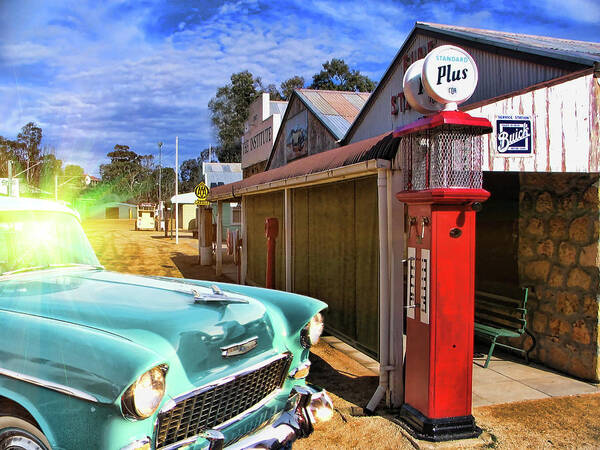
(153, 317)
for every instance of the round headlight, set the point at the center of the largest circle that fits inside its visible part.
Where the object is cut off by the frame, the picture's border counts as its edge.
(143, 397)
(313, 330)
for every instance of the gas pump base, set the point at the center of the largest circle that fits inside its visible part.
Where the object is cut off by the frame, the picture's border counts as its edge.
(437, 430)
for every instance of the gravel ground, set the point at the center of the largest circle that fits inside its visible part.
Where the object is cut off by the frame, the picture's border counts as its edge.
(564, 422)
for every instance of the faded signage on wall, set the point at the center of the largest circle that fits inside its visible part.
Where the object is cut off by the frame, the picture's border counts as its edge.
(513, 136)
(296, 136)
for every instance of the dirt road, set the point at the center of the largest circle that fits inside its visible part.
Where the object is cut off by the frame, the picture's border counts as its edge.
(566, 422)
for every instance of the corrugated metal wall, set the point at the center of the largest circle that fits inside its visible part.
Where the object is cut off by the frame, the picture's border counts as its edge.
(259, 207)
(565, 128)
(497, 75)
(336, 254)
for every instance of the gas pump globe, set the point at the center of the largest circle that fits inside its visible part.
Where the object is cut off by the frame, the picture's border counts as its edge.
(440, 157)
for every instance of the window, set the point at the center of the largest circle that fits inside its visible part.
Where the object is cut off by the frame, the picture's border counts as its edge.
(236, 215)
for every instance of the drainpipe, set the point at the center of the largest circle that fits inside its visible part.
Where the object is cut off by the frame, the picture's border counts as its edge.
(384, 294)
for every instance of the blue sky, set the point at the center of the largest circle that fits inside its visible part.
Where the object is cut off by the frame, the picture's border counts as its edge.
(94, 74)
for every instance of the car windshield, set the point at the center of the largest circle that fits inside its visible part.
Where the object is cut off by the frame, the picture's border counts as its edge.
(34, 240)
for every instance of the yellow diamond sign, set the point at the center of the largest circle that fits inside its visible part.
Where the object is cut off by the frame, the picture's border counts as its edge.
(201, 190)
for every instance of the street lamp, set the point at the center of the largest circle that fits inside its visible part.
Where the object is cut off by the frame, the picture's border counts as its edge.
(160, 144)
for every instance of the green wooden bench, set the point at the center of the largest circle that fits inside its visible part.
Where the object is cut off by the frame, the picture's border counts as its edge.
(501, 316)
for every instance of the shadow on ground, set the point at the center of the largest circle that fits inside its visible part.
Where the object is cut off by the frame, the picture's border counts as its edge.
(190, 268)
(341, 377)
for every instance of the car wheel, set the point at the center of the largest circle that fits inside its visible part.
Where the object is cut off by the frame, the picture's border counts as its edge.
(18, 434)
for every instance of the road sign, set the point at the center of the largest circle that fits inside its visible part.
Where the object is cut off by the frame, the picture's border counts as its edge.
(202, 191)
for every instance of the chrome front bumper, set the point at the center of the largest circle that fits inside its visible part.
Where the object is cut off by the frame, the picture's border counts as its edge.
(312, 406)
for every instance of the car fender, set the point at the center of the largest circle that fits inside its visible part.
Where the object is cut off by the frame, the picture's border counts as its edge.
(97, 365)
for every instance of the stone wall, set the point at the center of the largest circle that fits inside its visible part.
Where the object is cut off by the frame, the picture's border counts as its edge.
(558, 256)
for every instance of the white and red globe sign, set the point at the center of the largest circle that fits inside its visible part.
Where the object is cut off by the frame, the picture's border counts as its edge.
(415, 93)
(449, 75)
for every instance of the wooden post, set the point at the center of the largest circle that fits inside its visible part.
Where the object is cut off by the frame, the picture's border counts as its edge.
(219, 239)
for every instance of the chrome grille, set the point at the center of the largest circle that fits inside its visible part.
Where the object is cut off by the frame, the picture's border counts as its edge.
(215, 404)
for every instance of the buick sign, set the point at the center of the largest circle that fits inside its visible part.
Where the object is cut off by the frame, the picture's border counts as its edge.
(513, 136)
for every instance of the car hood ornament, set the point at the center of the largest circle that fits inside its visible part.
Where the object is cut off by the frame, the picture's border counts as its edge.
(239, 348)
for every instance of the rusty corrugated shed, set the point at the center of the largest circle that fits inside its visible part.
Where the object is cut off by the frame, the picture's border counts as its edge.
(378, 147)
(330, 106)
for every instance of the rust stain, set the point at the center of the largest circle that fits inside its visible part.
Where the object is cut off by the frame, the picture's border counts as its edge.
(521, 106)
(594, 123)
(534, 131)
(562, 130)
(547, 130)
(490, 147)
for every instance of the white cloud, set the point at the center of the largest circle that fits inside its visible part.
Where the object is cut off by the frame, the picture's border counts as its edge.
(97, 74)
(585, 11)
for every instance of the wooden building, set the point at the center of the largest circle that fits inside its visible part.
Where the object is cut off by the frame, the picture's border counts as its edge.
(341, 228)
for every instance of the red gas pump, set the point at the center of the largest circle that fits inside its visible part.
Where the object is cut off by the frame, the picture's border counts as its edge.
(271, 232)
(441, 157)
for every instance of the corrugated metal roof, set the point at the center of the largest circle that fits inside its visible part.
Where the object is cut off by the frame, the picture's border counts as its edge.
(221, 167)
(278, 107)
(318, 101)
(332, 106)
(579, 52)
(338, 124)
(378, 147)
(357, 100)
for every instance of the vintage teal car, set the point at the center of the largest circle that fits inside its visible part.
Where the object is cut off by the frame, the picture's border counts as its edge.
(92, 359)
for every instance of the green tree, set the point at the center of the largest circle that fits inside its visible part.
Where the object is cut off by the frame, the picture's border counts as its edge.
(49, 169)
(30, 152)
(167, 185)
(128, 173)
(337, 76)
(287, 87)
(229, 110)
(71, 183)
(9, 151)
(190, 174)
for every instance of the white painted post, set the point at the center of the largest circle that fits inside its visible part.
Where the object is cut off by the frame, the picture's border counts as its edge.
(219, 239)
(396, 269)
(200, 228)
(176, 189)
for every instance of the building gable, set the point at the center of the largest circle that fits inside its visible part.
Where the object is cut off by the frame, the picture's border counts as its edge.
(502, 69)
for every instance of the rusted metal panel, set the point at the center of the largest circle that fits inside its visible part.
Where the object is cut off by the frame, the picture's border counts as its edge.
(594, 121)
(319, 102)
(340, 103)
(564, 128)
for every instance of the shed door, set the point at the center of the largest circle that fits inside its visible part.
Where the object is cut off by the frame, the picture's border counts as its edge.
(336, 256)
(112, 213)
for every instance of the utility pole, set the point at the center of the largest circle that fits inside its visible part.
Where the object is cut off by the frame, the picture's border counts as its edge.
(9, 178)
(160, 144)
(176, 190)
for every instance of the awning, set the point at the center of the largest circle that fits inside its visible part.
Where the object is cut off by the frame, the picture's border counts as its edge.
(189, 197)
(367, 155)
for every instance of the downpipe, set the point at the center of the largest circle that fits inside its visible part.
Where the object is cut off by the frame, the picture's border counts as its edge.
(384, 295)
